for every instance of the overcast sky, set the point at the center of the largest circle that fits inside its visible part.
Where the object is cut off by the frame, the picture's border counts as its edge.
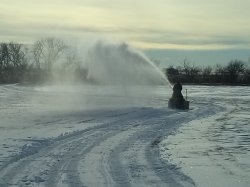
(146, 24)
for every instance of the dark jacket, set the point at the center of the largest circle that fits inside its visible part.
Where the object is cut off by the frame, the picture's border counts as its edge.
(177, 92)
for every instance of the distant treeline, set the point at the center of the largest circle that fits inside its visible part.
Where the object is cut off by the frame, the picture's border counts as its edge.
(236, 72)
(13, 62)
(33, 63)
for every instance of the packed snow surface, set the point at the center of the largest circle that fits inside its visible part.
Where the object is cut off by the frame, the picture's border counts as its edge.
(83, 135)
(215, 150)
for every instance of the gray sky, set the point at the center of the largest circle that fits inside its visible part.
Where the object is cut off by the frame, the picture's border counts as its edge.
(146, 24)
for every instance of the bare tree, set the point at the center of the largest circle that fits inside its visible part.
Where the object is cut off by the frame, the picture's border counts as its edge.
(220, 73)
(37, 52)
(247, 75)
(234, 68)
(191, 71)
(17, 56)
(186, 67)
(207, 71)
(51, 51)
(4, 56)
(46, 52)
(206, 74)
(13, 62)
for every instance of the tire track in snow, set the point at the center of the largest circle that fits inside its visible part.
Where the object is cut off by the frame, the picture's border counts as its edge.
(95, 165)
(35, 168)
(122, 151)
(122, 123)
(138, 158)
(50, 160)
(66, 164)
(117, 131)
(46, 158)
(105, 160)
(134, 156)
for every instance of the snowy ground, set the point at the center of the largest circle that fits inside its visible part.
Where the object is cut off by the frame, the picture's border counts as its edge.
(214, 151)
(106, 136)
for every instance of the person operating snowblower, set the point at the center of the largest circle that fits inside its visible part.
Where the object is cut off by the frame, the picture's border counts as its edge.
(177, 100)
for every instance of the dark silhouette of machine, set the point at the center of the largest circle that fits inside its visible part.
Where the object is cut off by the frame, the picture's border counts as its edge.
(177, 100)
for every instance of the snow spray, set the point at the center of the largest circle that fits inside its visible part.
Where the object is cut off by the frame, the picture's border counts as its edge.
(119, 64)
(108, 73)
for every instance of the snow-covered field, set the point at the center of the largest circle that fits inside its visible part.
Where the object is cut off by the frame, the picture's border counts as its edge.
(114, 136)
(215, 150)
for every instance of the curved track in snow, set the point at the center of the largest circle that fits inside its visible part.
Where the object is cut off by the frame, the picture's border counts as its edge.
(121, 151)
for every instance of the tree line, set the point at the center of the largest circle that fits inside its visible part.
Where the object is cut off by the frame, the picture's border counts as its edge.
(13, 62)
(236, 72)
(34, 63)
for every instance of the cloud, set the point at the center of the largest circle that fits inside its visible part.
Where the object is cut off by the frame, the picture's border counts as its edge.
(139, 36)
(146, 24)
